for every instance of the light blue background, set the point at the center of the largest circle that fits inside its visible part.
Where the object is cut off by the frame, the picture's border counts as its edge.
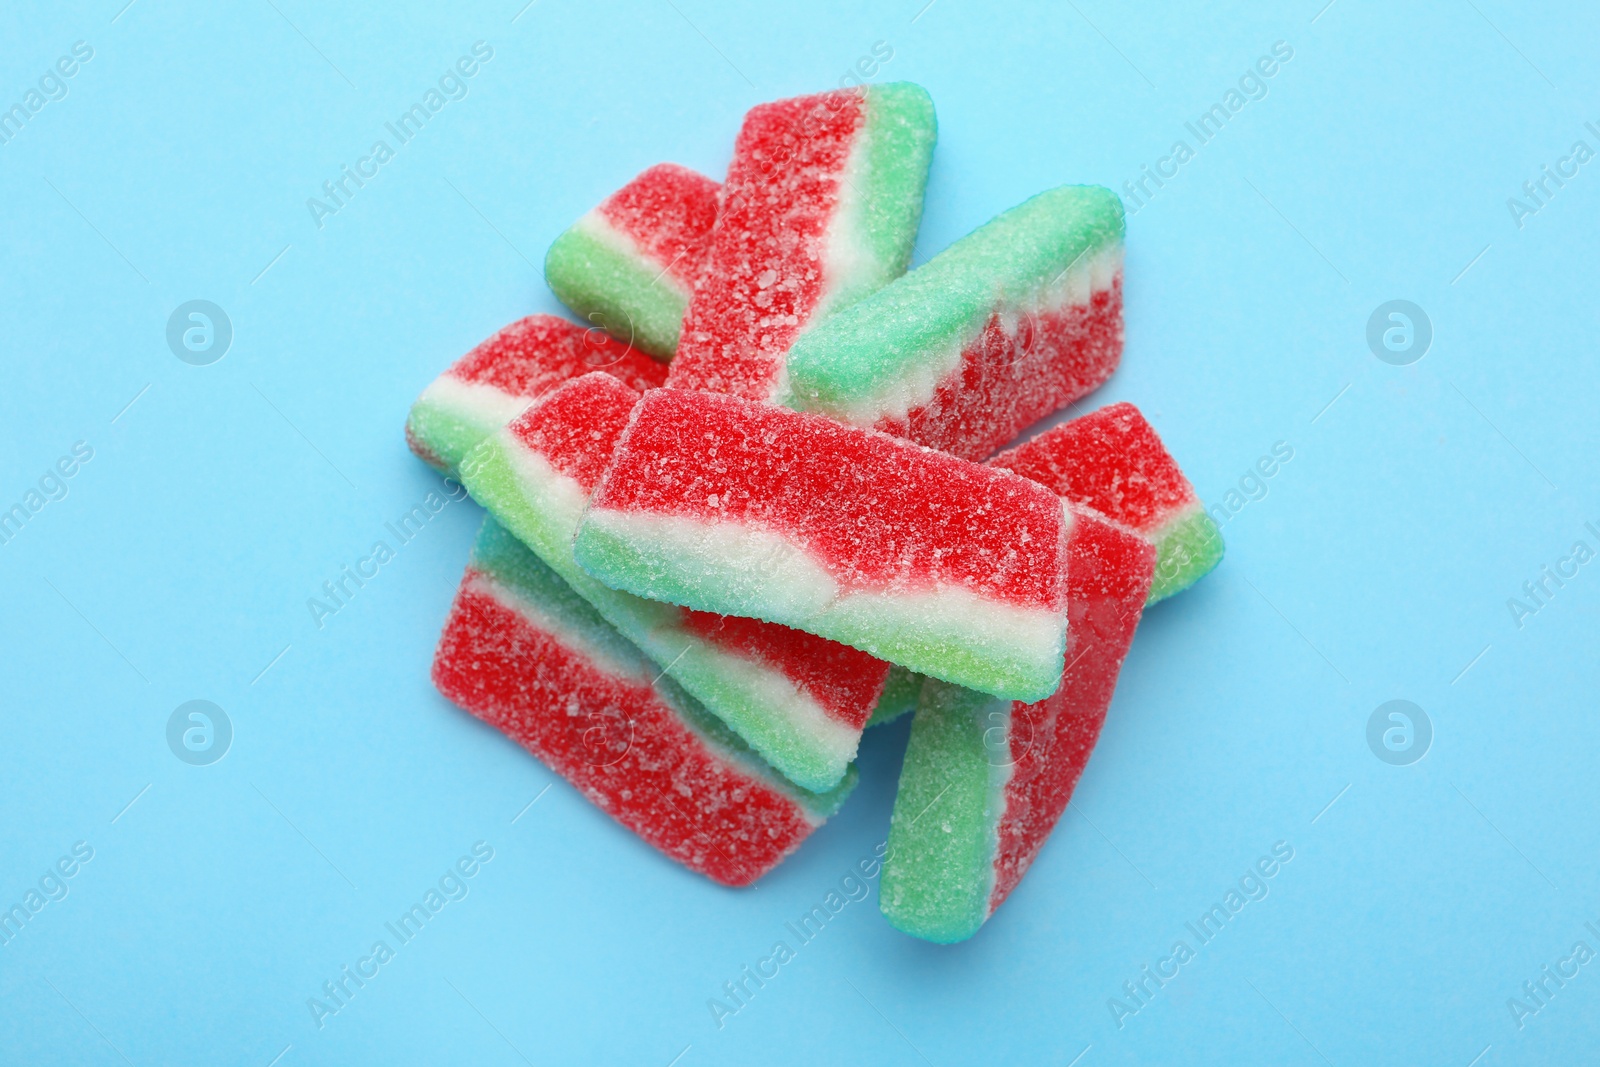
(1378, 565)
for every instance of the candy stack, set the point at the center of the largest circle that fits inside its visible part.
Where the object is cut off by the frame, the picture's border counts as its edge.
(699, 582)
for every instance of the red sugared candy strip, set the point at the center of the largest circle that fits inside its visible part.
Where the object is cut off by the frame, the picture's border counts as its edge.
(631, 263)
(984, 781)
(820, 208)
(944, 566)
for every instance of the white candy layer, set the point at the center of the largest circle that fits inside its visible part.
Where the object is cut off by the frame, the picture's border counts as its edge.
(847, 260)
(748, 571)
(727, 563)
(482, 405)
(556, 500)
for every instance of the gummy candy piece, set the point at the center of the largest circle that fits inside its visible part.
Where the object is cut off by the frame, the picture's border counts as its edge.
(799, 700)
(820, 208)
(526, 654)
(940, 565)
(1111, 460)
(984, 780)
(631, 263)
(489, 386)
(1010, 323)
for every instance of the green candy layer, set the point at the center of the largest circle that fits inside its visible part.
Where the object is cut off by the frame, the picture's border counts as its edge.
(938, 873)
(886, 190)
(881, 625)
(1185, 552)
(899, 696)
(445, 432)
(617, 292)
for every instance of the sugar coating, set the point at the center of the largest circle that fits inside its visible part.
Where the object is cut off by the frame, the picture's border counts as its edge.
(800, 700)
(630, 264)
(1007, 325)
(524, 653)
(984, 781)
(1113, 461)
(819, 209)
(943, 566)
(490, 385)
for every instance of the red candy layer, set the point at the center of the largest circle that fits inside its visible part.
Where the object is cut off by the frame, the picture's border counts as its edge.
(615, 739)
(668, 211)
(1110, 460)
(764, 276)
(878, 512)
(534, 354)
(845, 682)
(1009, 379)
(1108, 576)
